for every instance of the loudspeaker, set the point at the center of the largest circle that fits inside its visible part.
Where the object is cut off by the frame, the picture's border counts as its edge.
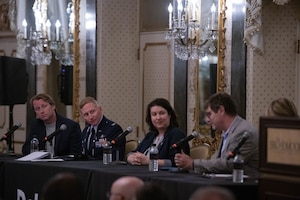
(13, 81)
(66, 87)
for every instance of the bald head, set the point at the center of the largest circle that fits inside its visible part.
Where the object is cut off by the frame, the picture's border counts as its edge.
(212, 193)
(125, 187)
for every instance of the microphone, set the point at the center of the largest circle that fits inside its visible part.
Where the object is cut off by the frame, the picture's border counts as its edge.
(50, 137)
(245, 137)
(6, 135)
(184, 140)
(121, 135)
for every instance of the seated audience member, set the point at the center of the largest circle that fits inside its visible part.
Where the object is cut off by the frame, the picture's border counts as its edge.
(151, 191)
(62, 187)
(125, 188)
(221, 114)
(212, 193)
(163, 124)
(282, 107)
(47, 121)
(98, 128)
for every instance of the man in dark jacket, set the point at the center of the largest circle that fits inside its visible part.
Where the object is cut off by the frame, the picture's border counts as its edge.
(99, 130)
(67, 141)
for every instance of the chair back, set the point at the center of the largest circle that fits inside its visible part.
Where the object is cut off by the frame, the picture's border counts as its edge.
(200, 152)
(130, 146)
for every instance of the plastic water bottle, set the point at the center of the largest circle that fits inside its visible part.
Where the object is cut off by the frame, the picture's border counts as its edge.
(153, 162)
(34, 144)
(107, 153)
(238, 171)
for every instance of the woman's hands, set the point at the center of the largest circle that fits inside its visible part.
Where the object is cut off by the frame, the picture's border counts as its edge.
(137, 158)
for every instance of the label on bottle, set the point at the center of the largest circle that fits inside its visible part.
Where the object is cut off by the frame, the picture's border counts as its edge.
(107, 154)
(238, 176)
(153, 162)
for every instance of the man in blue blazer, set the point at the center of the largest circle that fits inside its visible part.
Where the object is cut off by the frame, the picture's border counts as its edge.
(67, 141)
(221, 114)
(99, 128)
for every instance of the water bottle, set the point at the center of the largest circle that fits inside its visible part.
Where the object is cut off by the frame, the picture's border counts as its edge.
(153, 161)
(34, 144)
(107, 153)
(238, 171)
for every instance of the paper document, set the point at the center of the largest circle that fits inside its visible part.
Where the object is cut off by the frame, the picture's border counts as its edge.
(34, 156)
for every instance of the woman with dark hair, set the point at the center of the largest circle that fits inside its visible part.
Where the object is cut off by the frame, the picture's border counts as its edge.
(163, 131)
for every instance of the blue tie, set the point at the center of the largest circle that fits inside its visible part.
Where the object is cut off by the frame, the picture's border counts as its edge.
(224, 138)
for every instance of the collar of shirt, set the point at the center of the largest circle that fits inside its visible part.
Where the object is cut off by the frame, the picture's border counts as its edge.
(225, 135)
(228, 131)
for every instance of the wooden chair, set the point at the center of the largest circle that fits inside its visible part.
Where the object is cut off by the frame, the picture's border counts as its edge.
(130, 146)
(201, 151)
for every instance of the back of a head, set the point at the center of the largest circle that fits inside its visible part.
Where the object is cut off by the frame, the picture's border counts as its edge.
(282, 107)
(126, 187)
(151, 191)
(212, 193)
(63, 186)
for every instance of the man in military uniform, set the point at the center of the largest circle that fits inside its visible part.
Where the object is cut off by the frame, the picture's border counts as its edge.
(99, 130)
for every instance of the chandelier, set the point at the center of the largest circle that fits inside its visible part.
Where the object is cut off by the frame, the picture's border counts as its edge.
(48, 40)
(192, 33)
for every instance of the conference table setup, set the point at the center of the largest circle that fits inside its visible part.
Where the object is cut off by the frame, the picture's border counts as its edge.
(25, 179)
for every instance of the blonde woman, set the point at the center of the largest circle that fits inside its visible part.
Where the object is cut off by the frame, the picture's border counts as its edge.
(282, 107)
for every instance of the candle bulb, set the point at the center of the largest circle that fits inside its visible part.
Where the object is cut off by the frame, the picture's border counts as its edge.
(48, 25)
(170, 9)
(57, 25)
(24, 24)
(194, 10)
(213, 11)
(180, 8)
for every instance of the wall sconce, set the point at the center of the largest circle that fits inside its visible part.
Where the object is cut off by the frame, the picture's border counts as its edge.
(48, 38)
(190, 35)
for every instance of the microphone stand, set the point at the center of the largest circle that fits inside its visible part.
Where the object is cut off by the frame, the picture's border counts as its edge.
(10, 138)
(118, 161)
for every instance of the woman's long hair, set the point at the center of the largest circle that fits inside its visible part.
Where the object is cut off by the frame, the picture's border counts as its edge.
(166, 105)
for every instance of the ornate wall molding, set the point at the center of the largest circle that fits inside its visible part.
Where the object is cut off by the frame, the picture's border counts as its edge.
(76, 69)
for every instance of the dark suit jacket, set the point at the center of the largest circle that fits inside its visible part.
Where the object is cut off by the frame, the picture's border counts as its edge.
(67, 142)
(172, 136)
(109, 130)
(249, 151)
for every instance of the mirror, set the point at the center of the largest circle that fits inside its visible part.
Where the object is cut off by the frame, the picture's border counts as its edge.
(48, 77)
(76, 50)
(208, 79)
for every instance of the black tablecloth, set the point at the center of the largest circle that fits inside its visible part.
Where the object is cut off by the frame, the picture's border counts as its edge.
(25, 180)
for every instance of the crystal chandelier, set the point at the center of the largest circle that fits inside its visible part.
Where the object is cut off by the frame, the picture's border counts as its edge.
(46, 40)
(192, 33)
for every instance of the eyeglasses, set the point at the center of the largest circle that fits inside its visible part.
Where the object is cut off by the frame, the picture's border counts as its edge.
(116, 195)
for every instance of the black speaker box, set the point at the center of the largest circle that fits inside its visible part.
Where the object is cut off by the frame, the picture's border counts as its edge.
(66, 88)
(13, 81)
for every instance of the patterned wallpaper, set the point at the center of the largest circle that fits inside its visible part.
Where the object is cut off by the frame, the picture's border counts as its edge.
(273, 75)
(118, 66)
(269, 76)
(156, 76)
(119, 75)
